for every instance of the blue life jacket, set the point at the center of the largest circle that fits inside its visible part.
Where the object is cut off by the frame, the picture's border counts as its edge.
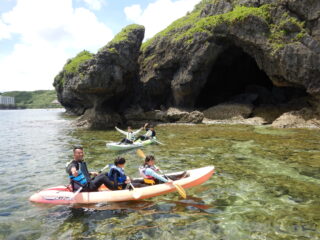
(122, 176)
(80, 178)
(83, 174)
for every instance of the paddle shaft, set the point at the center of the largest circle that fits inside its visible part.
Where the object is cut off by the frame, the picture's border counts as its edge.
(180, 189)
(105, 167)
(76, 193)
(132, 186)
(158, 142)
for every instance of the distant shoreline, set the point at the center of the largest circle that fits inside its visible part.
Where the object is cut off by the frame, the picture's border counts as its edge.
(25, 108)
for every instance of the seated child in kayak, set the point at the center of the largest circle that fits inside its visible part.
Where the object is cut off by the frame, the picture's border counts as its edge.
(117, 175)
(149, 171)
(150, 132)
(130, 135)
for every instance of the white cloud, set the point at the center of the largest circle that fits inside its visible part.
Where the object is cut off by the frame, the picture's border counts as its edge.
(94, 4)
(158, 15)
(133, 12)
(50, 31)
(4, 31)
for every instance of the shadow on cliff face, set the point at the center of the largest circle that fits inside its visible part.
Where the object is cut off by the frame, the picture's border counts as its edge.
(231, 74)
(235, 77)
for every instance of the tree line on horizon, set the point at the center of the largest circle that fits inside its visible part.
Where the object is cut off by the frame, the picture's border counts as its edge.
(34, 99)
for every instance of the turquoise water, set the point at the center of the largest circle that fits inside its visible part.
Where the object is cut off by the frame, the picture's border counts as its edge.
(266, 186)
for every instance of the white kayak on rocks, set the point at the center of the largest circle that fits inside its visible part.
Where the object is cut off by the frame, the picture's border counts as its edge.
(125, 146)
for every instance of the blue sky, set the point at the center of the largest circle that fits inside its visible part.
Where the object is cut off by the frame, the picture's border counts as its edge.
(38, 36)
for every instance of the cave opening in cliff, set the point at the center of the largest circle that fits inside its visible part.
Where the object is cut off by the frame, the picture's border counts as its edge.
(233, 75)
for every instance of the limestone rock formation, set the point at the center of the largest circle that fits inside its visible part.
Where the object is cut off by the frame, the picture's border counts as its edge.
(184, 57)
(303, 118)
(102, 84)
(228, 110)
(261, 54)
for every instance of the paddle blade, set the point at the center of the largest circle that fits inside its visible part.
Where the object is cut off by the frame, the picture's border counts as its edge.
(136, 194)
(180, 190)
(141, 153)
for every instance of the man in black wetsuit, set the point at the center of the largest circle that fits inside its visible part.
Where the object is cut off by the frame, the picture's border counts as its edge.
(81, 177)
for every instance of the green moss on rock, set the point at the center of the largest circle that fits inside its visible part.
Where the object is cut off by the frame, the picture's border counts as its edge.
(73, 64)
(187, 26)
(122, 36)
(288, 30)
(72, 67)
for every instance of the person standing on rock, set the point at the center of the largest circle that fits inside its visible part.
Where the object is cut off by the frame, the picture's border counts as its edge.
(130, 135)
(150, 132)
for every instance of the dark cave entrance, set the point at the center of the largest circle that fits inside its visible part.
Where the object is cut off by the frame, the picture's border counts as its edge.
(236, 77)
(233, 73)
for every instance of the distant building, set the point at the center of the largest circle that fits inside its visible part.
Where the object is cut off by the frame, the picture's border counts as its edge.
(4, 100)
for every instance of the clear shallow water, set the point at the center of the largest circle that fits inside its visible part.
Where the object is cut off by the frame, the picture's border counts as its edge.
(267, 184)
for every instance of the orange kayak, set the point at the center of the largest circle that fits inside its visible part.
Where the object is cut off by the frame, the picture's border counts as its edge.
(62, 195)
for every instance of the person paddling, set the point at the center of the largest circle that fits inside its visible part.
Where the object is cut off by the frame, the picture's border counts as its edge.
(117, 175)
(149, 171)
(130, 135)
(150, 132)
(81, 177)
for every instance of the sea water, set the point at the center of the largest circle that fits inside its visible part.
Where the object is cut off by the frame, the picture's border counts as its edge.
(266, 185)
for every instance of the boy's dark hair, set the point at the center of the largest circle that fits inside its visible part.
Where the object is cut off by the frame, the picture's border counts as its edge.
(149, 158)
(77, 147)
(119, 160)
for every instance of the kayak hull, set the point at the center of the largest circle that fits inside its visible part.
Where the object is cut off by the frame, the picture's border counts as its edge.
(61, 195)
(117, 146)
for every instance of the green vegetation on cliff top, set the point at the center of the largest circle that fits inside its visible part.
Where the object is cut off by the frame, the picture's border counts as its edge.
(72, 67)
(34, 99)
(123, 35)
(73, 64)
(186, 27)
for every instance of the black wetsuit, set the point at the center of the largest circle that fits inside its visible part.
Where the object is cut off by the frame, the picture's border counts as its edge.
(143, 137)
(92, 183)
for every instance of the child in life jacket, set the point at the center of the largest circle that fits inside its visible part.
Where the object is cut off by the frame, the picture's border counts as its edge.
(149, 171)
(117, 175)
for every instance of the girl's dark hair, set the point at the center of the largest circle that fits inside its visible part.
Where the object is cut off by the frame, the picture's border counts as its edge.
(149, 158)
(119, 160)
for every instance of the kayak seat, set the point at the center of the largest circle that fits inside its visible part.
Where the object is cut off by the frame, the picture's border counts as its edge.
(149, 181)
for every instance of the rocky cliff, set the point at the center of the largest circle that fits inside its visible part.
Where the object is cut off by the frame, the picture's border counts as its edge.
(226, 59)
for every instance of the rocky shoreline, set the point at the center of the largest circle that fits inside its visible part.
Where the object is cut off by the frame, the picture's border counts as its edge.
(303, 118)
(228, 61)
